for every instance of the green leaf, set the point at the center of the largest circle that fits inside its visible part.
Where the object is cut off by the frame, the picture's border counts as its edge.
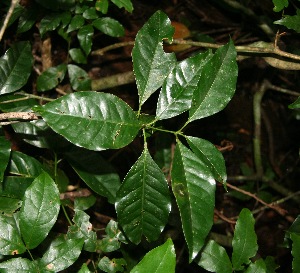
(9, 205)
(161, 259)
(291, 22)
(102, 6)
(257, 267)
(27, 19)
(124, 3)
(79, 78)
(210, 155)
(95, 121)
(83, 229)
(15, 67)
(95, 171)
(295, 104)
(112, 266)
(10, 239)
(85, 35)
(84, 269)
(151, 64)
(4, 155)
(18, 265)
(296, 252)
(78, 56)
(61, 254)
(177, 91)
(143, 201)
(194, 188)
(49, 23)
(216, 85)
(215, 259)
(14, 103)
(109, 26)
(244, 240)
(84, 203)
(90, 13)
(39, 210)
(76, 23)
(279, 5)
(51, 77)
(271, 265)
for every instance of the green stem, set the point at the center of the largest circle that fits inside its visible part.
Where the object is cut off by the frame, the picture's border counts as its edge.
(257, 128)
(31, 96)
(66, 215)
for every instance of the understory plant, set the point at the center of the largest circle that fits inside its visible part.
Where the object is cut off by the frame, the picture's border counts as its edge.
(178, 180)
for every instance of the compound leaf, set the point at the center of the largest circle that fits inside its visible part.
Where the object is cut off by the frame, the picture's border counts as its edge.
(216, 85)
(85, 35)
(161, 259)
(210, 155)
(15, 67)
(194, 188)
(143, 201)
(177, 91)
(151, 64)
(61, 254)
(95, 121)
(10, 239)
(39, 210)
(109, 26)
(244, 241)
(215, 259)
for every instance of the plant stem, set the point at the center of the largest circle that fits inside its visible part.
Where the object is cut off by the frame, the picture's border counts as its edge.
(8, 16)
(66, 215)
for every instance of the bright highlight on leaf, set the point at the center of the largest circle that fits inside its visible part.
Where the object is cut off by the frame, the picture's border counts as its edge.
(194, 188)
(95, 121)
(143, 202)
(151, 64)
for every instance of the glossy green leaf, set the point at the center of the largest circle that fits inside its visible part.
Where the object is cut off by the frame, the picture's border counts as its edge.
(271, 265)
(279, 5)
(215, 259)
(76, 23)
(296, 252)
(112, 266)
(151, 64)
(257, 267)
(49, 23)
(124, 4)
(90, 13)
(85, 35)
(194, 188)
(102, 6)
(109, 26)
(295, 104)
(161, 259)
(9, 205)
(79, 78)
(143, 201)
(51, 77)
(27, 19)
(15, 67)
(18, 265)
(291, 22)
(24, 169)
(93, 120)
(216, 85)
(4, 155)
(61, 254)
(78, 56)
(95, 171)
(210, 155)
(83, 229)
(244, 241)
(39, 210)
(177, 91)
(10, 239)
(84, 269)
(14, 103)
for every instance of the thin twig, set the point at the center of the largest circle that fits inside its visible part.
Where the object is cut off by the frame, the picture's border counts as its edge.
(19, 115)
(8, 16)
(111, 47)
(276, 208)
